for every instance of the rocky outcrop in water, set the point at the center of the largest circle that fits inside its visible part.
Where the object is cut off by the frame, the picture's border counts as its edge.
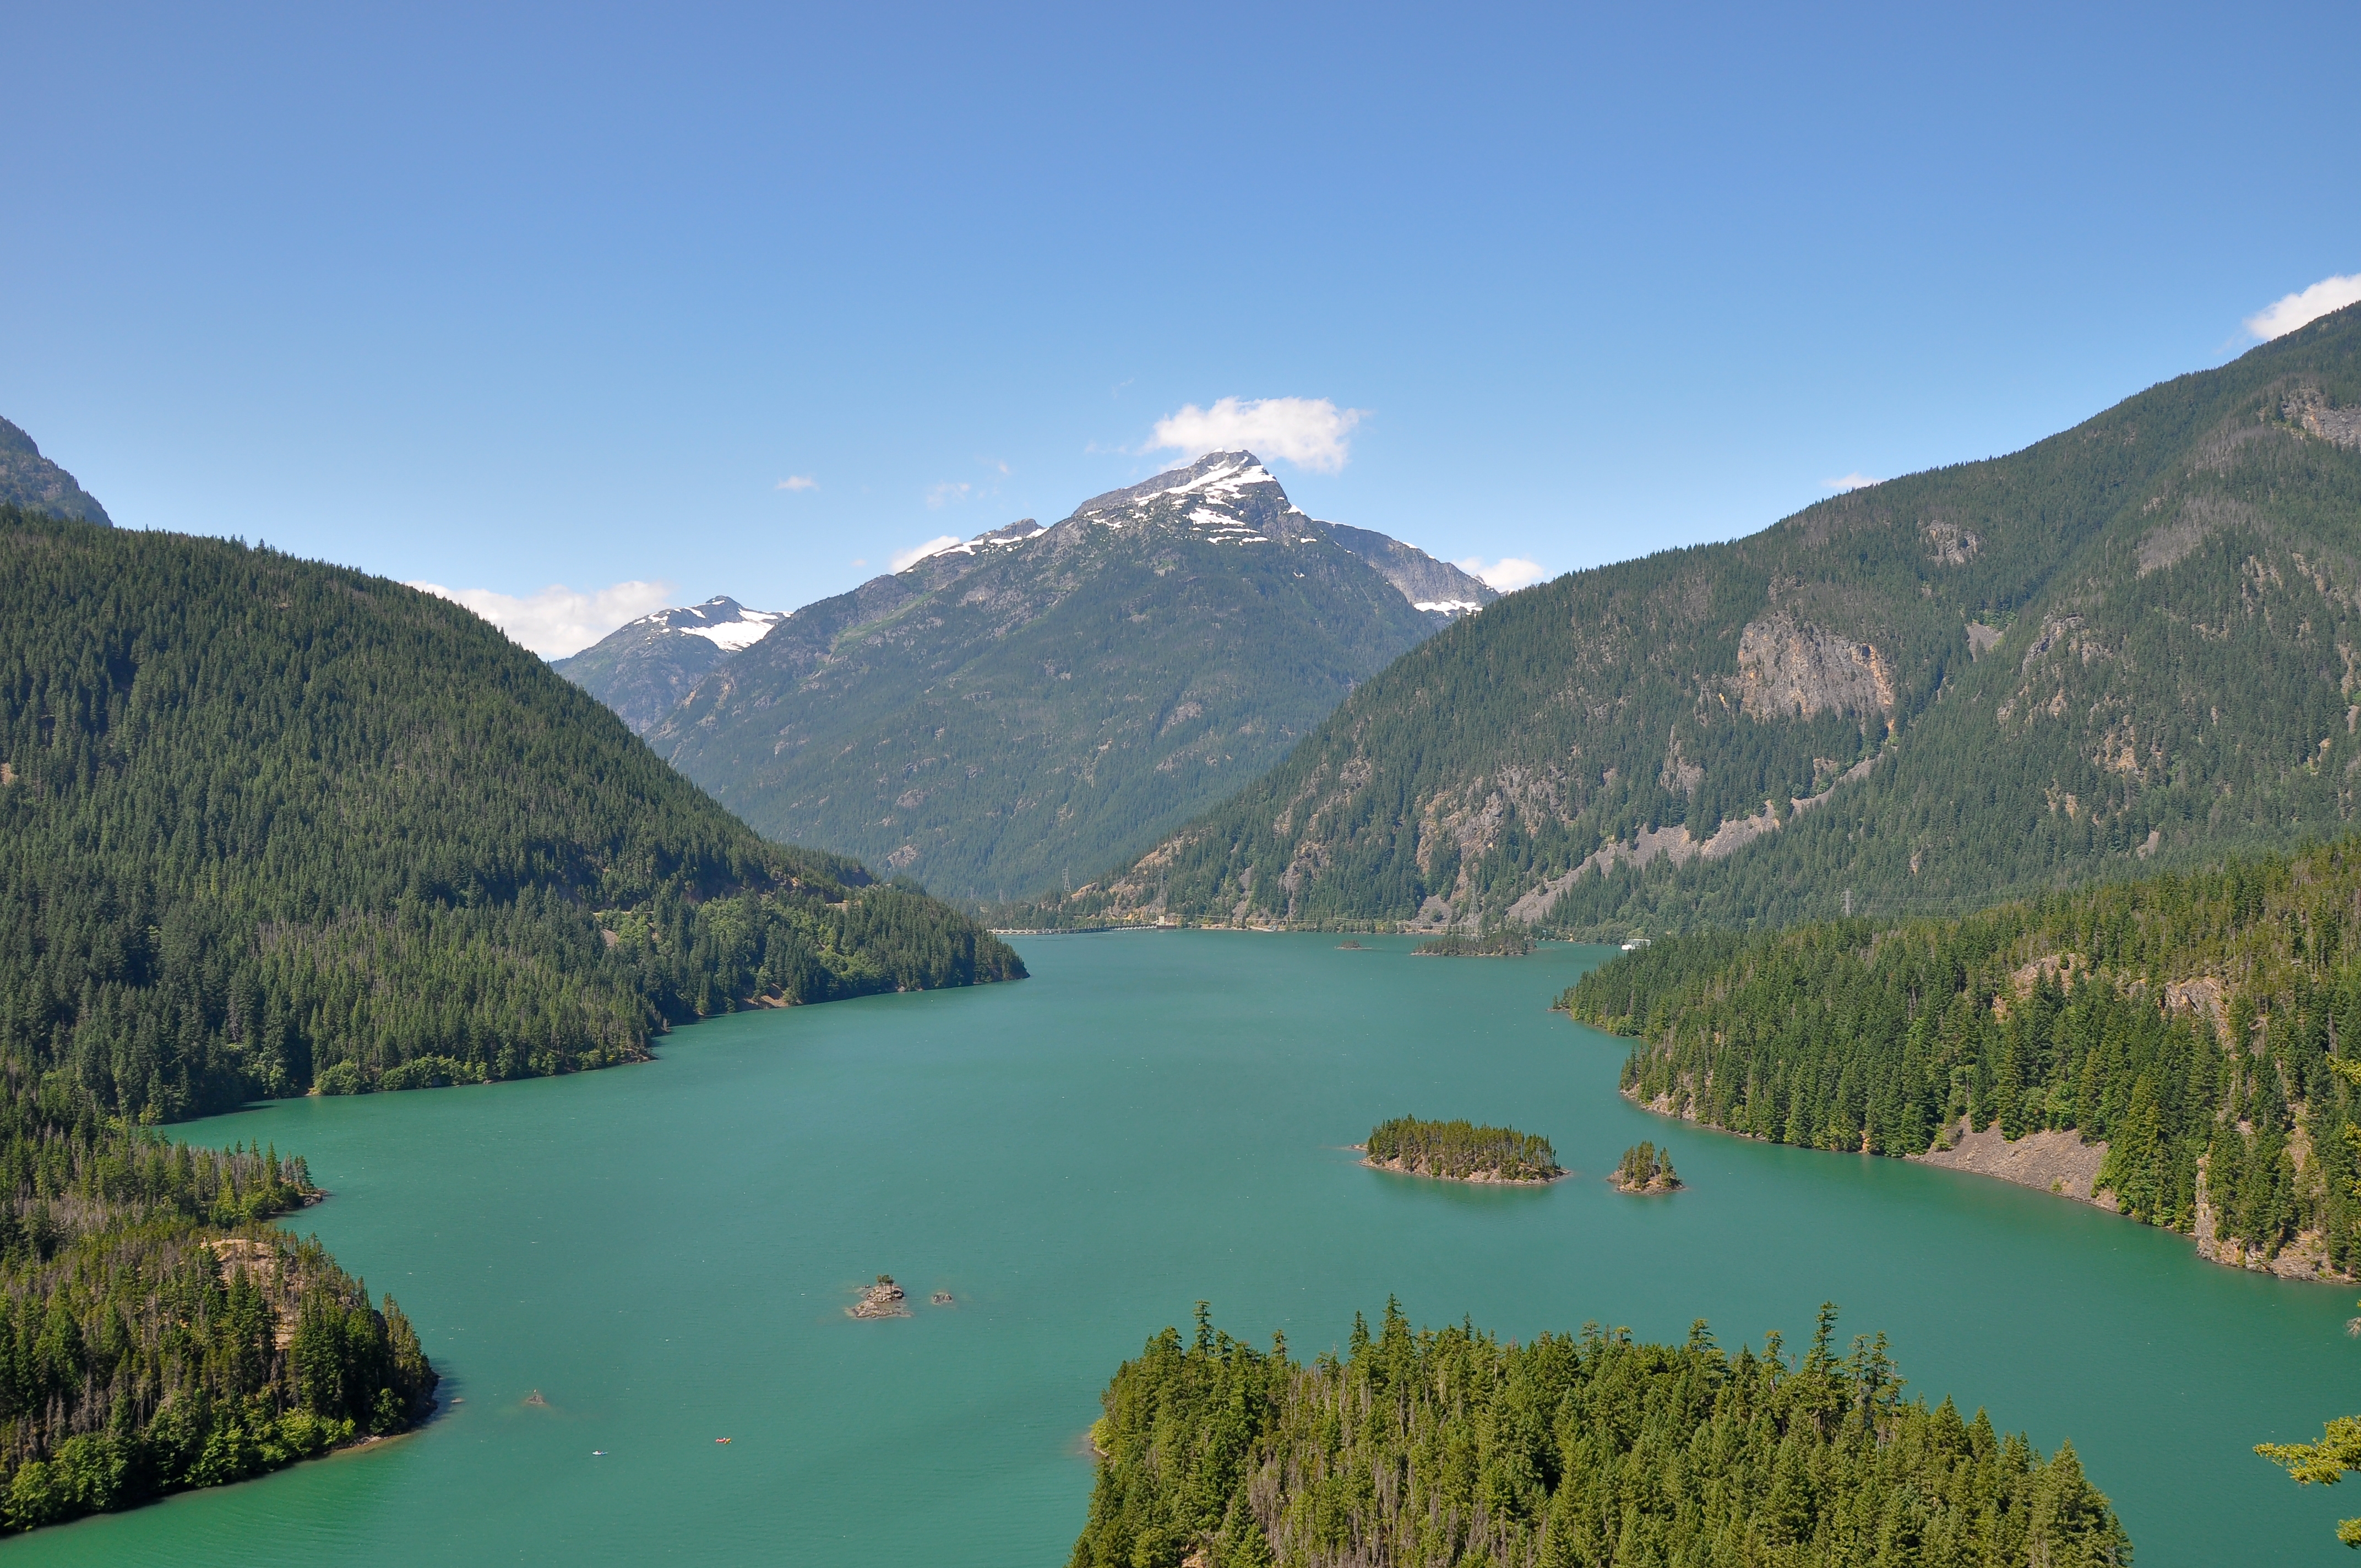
(882, 1300)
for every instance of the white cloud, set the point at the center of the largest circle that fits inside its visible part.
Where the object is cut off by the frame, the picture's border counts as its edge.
(948, 490)
(1310, 432)
(1506, 574)
(1855, 481)
(2283, 316)
(559, 620)
(799, 482)
(906, 559)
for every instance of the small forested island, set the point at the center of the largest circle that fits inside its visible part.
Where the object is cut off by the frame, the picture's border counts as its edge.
(1436, 1447)
(1645, 1168)
(1460, 1151)
(2184, 1050)
(1501, 942)
(155, 1334)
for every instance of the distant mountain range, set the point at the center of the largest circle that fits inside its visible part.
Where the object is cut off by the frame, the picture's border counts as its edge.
(30, 479)
(1036, 702)
(2131, 645)
(642, 670)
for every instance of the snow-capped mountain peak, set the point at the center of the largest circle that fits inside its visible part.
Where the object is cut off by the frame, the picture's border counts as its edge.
(1227, 496)
(721, 621)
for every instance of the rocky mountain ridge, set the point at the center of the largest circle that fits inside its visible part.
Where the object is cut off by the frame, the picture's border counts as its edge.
(644, 667)
(30, 479)
(1023, 704)
(2127, 646)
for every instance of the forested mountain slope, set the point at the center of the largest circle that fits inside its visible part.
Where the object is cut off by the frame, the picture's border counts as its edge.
(2130, 644)
(1036, 701)
(30, 479)
(2205, 1030)
(644, 669)
(267, 824)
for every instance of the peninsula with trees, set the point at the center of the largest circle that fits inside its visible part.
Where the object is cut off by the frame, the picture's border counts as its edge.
(1460, 1151)
(2184, 1049)
(157, 1333)
(271, 827)
(1582, 1448)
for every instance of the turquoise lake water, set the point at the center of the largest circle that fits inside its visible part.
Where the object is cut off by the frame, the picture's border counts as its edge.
(665, 1252)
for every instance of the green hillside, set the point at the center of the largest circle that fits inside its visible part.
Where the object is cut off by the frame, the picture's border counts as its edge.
(1439, 1447)
(1039, 702)
(2205, 1029)
(2126, 647)
(267, 824)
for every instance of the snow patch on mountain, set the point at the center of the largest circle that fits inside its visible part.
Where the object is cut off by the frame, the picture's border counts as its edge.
(1006, 538)
(731, 636)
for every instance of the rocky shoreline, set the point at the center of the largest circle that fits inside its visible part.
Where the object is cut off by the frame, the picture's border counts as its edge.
(1478, 1179)
(2063, 1164)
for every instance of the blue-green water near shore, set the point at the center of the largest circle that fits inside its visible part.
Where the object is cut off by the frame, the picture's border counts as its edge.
(665, 1252)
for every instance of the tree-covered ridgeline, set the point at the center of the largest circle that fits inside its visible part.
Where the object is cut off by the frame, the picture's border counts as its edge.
(1461, 1150)
(267, 824)
(2205, 1028)
(2116, 650)
(155, 1333)
(1444, 1447)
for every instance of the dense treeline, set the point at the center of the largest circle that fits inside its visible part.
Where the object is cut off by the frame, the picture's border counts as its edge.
(1444, 1447)
(2121, 642)
(2203, 1026)
(154, 1335)
(267, 824)
(1461, 1150)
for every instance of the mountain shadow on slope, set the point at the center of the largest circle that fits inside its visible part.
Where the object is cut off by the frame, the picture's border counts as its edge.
(268, 825)
(1022, 707)
(2129, 645)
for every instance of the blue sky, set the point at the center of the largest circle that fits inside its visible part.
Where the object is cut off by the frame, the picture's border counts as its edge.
(502, 299)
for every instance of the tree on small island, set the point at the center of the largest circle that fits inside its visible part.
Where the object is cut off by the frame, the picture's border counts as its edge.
(1645, 1169)
(1460, 1151)
(1493, 942)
